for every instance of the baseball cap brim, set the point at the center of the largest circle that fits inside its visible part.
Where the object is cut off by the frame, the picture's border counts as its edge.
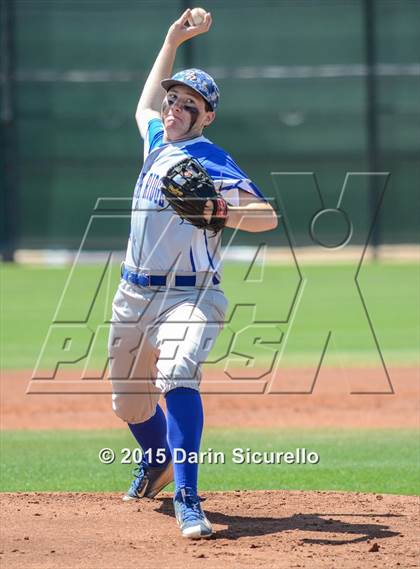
(168, 83)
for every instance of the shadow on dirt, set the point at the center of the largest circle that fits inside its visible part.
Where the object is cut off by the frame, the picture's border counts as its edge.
(241, 526)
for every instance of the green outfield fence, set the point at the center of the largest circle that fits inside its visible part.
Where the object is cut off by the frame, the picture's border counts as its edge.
(306, 86)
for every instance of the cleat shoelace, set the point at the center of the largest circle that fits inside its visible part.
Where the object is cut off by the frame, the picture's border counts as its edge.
(191, 508)
(139, 473)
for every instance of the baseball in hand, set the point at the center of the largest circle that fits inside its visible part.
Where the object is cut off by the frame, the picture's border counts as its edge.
(197, 16)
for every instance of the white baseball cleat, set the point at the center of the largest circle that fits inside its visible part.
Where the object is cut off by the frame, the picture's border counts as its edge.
(189, 515)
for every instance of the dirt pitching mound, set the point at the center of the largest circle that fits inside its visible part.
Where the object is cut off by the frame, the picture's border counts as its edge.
(275, 529)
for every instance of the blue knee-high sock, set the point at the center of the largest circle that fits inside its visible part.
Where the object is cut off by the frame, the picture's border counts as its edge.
(185, 425)
(152, 435)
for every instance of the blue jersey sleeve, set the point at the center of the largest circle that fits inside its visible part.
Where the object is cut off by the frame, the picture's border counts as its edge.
(224, 171)
(154, 136)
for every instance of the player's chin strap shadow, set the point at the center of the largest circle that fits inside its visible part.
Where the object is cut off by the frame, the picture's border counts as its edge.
(247, 526)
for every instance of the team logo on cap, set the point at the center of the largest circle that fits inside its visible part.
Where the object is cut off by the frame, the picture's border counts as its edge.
(191, 76)
(201, 82)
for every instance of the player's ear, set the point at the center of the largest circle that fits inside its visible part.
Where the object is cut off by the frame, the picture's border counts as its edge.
(209, 118)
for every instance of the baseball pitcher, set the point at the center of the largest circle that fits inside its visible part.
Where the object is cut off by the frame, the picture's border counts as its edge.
(169, 307)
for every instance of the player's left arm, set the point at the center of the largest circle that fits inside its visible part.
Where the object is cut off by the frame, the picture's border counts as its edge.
(252, 214)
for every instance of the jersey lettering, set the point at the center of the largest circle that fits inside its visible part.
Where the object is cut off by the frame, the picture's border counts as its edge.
(191, 248)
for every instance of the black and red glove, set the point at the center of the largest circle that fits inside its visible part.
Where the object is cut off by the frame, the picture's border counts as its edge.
(188, 188)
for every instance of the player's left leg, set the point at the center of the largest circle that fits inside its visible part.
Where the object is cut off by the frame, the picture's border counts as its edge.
(185, 336)
(185, 426)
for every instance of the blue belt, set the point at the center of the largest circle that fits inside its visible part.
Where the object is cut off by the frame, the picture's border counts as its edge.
(140, 279)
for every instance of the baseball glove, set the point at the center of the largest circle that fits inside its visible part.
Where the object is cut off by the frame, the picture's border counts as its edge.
(188, 187)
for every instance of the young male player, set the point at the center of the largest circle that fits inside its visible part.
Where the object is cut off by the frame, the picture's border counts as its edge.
(169, 307)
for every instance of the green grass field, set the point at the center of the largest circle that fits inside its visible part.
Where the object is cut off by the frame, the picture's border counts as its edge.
(369, 461)
(384, 461)
(328, 300)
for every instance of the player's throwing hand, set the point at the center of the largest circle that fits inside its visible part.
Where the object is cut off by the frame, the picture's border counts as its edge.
(182, 29)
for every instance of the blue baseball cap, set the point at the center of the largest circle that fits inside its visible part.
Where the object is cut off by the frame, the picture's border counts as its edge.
(199, 81)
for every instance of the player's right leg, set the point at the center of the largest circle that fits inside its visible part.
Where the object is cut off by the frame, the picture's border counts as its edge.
(132, 371)
(155, 470)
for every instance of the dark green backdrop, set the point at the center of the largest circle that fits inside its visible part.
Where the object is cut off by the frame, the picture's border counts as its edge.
(293, 98)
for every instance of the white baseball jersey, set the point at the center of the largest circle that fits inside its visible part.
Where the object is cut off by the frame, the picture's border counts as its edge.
(159, 239)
